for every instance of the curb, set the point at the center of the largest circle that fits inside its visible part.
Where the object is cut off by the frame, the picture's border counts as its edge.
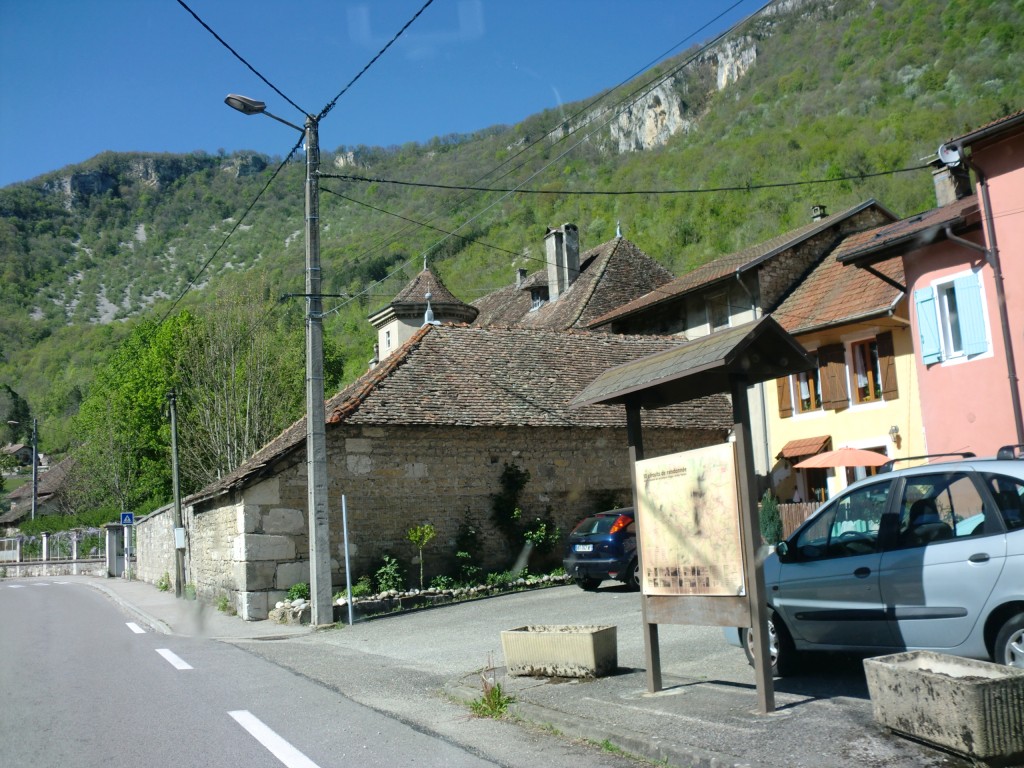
(574, 727)
(148, 619)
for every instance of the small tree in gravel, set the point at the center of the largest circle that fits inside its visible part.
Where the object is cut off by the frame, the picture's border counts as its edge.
(420, 536)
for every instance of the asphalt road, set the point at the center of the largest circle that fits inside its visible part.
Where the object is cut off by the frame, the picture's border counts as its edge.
(84, 686)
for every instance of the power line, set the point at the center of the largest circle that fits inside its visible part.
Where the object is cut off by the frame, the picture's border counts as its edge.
(332, 102)
(238, 56)
(620, 193)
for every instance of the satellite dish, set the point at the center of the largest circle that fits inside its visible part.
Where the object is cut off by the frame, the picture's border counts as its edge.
(949, 155)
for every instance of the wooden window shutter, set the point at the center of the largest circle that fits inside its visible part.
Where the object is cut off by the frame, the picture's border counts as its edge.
(887, 362)
(832, 364)
(785, 399)
(928, 326)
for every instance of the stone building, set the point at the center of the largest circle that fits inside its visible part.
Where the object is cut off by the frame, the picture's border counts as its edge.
(740, 287)
(424, 437)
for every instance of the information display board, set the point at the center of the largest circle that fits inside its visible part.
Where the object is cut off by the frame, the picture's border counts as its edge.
(688, 523)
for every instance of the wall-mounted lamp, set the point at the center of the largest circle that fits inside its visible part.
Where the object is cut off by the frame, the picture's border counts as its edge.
(894, 432)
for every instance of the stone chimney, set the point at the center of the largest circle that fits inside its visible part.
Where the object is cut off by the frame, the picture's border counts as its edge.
(952, 182)
(562, 252)
(818, 212)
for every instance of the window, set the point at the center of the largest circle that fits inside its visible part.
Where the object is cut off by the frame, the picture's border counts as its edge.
(951, 319)
(849, 527)
(538, 297)
(718, 311)
(940, 507)
(808, 391)
(867, 374)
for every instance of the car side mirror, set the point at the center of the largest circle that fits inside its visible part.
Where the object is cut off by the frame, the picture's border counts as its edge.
(783, 553)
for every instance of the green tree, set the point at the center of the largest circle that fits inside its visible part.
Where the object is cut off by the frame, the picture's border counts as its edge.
(420, 536)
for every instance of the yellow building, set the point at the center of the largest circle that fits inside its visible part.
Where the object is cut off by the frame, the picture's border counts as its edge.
(863, 393)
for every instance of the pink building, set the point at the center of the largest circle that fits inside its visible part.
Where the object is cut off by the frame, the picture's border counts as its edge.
(964, 268)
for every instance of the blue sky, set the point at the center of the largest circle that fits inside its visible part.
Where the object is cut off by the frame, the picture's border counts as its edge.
(78, 77)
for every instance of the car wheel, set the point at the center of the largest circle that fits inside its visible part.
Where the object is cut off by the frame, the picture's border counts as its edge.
(1009, 647)
(587, 585)
(635, 576)
(781, 650)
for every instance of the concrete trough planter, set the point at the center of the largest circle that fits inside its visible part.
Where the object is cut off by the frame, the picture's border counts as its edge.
(559, 650)
(971, 707)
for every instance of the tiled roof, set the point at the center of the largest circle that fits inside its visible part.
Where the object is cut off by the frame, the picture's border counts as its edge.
(610, 274)
(726, 266)
(833, 294)
(996, 127)
(805, 446)
(414, 295)
(456, 375)
(911, 233)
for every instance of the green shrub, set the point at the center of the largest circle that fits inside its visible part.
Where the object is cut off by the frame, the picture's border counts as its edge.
(363, 587)
(469, 574)
(390, 576)
(164, 582)
(442, 582)
(770, 519)
(299, 591)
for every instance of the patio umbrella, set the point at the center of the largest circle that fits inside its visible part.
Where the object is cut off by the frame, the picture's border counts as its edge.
(843, 457)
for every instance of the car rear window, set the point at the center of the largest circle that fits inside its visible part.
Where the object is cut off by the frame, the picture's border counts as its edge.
(596, 524)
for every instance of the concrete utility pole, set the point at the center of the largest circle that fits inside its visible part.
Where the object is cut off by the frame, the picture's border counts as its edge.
(322, 612)
(179, 549)
(35, 466)
(316, 418)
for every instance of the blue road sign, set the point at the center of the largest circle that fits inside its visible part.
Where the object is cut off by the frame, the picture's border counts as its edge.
(127, 518)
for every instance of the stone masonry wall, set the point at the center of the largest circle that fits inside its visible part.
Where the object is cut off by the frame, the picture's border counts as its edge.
(255, 545)
(154, 546)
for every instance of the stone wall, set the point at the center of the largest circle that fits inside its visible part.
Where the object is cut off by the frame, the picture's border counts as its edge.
(154, 546)
(254, 544)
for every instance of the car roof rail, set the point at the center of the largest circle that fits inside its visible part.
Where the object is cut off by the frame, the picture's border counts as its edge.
(887, 467)
(1011, 452)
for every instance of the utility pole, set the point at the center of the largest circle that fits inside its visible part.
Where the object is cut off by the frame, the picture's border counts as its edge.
(35, 466)
(322, 610)
(179, 539)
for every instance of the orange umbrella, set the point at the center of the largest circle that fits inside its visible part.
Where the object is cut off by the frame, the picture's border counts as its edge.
(844, 457)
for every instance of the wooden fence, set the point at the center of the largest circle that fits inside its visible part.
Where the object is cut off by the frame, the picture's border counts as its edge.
(794, 514)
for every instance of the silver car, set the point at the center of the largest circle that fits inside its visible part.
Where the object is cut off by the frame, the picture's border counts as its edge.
(929, 557)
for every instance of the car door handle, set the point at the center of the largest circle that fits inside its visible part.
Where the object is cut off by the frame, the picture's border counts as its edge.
(981, 557)
(862, 573)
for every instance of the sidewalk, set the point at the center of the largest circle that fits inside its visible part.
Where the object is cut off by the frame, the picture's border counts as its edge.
(705, 716)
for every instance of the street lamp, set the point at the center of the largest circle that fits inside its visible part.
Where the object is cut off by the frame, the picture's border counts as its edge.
(316, 417)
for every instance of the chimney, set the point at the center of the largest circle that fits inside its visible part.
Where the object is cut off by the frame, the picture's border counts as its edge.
(818, 212)
(562, 252)
(952, 182)
(520, 277)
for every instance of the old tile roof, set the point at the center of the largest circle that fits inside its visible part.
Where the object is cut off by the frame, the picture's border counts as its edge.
(804, 446)
(993, 129)
(47, 484)
(413, 297)
(834, 294)
(457, 375)
(727, 266)
(906, 234)
(610, 274)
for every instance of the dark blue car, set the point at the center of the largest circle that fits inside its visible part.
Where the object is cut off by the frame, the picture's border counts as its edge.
(603, 546)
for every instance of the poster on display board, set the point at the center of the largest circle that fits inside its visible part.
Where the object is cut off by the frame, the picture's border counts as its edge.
(688, 523)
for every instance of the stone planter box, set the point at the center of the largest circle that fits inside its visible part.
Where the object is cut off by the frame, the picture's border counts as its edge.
(972, 707)
(560, 650)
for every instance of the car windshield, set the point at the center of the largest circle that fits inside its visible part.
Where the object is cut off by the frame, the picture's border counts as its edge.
(596, 524)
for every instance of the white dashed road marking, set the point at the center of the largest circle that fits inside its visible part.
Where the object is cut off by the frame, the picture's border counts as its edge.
(173, 658)
(136, 628)
(278, 747)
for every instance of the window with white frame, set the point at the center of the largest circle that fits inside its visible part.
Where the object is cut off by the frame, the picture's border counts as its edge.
(951, 319)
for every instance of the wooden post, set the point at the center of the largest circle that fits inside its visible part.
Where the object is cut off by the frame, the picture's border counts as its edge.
(751, 533)
(652, 652)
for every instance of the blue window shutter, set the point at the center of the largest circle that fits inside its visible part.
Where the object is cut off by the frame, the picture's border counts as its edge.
(971, 314)
(928, 325)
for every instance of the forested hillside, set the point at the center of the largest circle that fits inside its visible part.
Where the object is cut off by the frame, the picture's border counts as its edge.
(844, 91)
